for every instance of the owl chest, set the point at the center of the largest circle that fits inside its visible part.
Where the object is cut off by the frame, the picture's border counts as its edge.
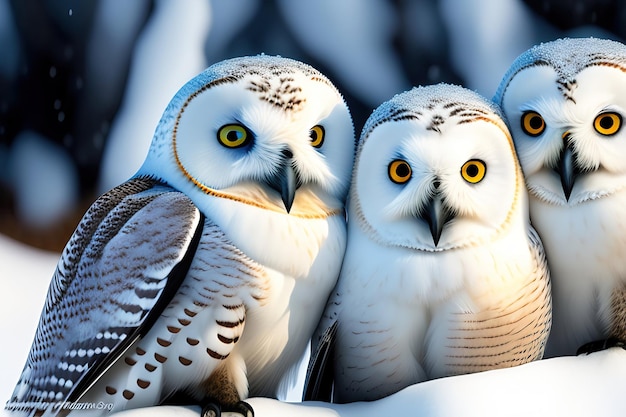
(586, 241)
(299, 261)
(291, 245)
(505, 327)
(431, 278)
(277, 331)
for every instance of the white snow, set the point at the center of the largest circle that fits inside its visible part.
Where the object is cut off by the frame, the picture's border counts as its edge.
(24, 277)
(560, 387)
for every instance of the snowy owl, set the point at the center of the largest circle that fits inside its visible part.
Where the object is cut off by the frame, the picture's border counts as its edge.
(443, 273)
(205, 274)
(565, 101)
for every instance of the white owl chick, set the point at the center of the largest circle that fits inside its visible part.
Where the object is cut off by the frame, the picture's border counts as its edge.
(443, 273)
(565, 101)
(207, 272)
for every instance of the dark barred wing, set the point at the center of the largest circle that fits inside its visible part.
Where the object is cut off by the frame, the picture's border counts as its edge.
(319, 381)
(119, 270)
(319, 376)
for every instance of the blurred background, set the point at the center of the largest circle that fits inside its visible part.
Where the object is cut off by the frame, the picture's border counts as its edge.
(83, 83)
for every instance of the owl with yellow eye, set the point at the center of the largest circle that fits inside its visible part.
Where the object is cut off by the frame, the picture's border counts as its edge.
(201, 279)
(566, 101)
(443, 273)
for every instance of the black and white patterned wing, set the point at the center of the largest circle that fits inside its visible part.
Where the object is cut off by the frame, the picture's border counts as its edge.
(119, 270)
(318, 385)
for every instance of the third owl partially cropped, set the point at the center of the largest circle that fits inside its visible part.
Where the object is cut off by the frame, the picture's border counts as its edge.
(565, 101)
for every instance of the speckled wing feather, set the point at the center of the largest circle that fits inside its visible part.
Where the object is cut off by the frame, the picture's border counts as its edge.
(121, 267)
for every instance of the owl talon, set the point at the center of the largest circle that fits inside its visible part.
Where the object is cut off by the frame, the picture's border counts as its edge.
(243, 408)
(214, 409)
(599, 345)
(211, 409)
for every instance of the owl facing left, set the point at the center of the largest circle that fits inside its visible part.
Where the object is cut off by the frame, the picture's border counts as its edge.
(443, 273)
(206, 273)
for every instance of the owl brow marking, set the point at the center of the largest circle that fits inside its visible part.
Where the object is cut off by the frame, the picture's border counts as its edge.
(259, 87)
(608, 64)
(322, 80)
(435, 122)
(464, 112)
(215, 193)
(473, 115)
(396, 115)
(460, 110)
(285, 95)
(567, 87)
(403, 114)
(567, 84)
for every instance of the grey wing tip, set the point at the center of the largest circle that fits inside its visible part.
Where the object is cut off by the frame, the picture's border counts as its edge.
(319, 377)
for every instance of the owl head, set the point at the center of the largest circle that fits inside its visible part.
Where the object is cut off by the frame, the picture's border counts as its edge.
(565, 102)
(436, 170)
(266, 131)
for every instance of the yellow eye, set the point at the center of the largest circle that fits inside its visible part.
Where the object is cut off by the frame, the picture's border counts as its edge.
(233, 136)
(608, 123)
(473, 171)
(317, 136)
(532, 123)
(399, 171)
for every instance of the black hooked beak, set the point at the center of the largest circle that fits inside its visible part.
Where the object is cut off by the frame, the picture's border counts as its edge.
(436, 215)
(566, 167)
(285, 180)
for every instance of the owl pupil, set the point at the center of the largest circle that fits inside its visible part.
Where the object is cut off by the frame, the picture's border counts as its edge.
(606, 122)
(472, 171)
(233, 135)
(536, 122)
(402, 170)
(313, 135)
